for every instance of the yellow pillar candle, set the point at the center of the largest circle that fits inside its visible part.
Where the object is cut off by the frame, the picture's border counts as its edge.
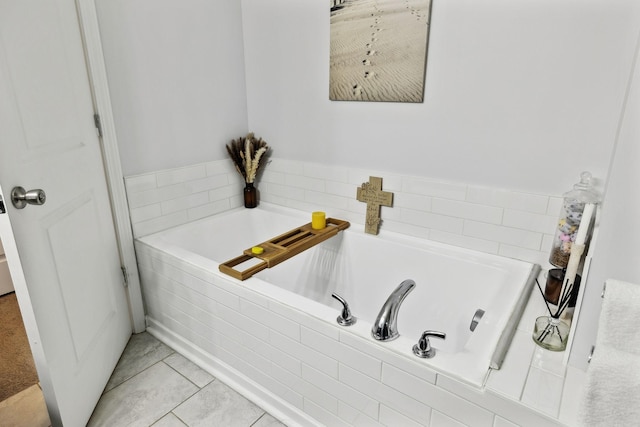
(318, 220)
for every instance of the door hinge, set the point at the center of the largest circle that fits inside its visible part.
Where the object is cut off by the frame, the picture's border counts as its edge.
(125, 276)
(98, 123)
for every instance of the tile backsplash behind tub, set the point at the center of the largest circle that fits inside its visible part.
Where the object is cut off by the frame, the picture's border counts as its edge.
(512, 224)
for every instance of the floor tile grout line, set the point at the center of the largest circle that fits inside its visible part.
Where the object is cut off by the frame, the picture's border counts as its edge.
(186, 398)
(188, 370)
(173, 369)
(176, 415)
(199, 389)
(137, 373)
(184, 376)
(132, 377)
(258, 419)
(264, 412)
(170, 412)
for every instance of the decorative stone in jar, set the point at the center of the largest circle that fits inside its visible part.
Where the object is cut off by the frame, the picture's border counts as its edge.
(570, 216)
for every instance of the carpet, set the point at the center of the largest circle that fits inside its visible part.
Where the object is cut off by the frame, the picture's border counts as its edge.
(17, 369)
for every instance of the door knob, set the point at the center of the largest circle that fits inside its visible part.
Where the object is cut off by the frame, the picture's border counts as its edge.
(21, 198)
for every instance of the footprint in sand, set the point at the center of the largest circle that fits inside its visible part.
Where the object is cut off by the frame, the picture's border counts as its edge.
(369, 74)
(357, 90)
(366, 62)
(371, 52)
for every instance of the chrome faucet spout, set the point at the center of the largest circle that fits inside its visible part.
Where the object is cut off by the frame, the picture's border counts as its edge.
(385, 327)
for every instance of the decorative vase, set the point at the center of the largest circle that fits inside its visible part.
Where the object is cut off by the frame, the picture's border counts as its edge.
(250, 195)
(551, 333)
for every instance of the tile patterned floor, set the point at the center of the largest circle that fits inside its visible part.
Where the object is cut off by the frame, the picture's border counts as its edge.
(154, 386)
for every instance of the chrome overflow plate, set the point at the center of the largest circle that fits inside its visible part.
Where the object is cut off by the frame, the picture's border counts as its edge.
(21, 198)
(477, 316)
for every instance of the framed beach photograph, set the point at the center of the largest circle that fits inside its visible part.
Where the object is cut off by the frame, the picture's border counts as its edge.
(378, 50)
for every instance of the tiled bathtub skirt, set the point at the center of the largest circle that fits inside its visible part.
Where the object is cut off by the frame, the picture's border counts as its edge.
(512, 224)
(298, 366)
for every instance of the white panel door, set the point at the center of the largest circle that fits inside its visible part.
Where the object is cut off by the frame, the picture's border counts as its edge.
(67, 247)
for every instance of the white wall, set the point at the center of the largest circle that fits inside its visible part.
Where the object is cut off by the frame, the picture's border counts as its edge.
(176, 76)
(519, 95)
(522, 96)
(617, 253)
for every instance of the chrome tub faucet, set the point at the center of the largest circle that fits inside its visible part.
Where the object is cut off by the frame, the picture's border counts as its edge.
(385, 327)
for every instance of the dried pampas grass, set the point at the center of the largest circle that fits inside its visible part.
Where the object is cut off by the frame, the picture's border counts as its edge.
(247, 154)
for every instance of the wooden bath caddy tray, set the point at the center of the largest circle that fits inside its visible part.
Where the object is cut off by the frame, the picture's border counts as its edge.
(282, 248)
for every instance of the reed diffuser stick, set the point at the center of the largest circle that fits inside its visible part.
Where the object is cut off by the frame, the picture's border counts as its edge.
(546, 303)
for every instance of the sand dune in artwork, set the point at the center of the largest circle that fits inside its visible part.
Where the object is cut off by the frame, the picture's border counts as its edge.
(378, 50)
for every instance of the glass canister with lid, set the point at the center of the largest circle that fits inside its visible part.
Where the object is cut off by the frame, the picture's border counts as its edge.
(573, 204)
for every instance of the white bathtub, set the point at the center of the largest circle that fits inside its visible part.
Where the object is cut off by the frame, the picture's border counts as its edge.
(451, 284)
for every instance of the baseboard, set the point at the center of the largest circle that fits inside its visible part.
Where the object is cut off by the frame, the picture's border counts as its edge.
(278, 408)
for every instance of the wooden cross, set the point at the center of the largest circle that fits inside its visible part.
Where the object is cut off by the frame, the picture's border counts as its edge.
(371, 193)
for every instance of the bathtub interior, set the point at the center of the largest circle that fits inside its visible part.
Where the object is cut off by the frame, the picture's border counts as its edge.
(246, 227)
(364, 269)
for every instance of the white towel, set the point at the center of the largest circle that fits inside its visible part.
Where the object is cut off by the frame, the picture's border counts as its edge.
(612, 388)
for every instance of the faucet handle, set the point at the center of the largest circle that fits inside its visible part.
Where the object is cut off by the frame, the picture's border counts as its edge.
(345, 319)
(423, 348)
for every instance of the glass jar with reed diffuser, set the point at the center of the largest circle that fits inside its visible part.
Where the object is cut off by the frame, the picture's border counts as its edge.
(551, 333)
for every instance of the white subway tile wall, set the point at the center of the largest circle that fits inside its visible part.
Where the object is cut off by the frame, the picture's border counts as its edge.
(513, 224)
(169, 198)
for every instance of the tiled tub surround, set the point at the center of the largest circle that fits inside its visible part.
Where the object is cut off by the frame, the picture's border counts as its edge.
(513, 224)
(533, 386)
(451, 283)
(307, 371)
